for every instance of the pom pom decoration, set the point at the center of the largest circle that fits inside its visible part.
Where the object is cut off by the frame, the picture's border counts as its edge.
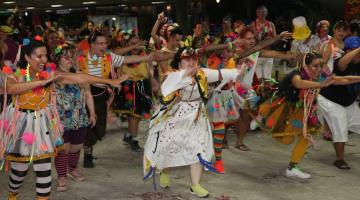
(44, 75)
(44, 147)
(51, 67)
(38, 38)
(28, 138)
(26, 41)
(147, 116)
(80, 59)
(314, 120)
(108, 57)
(270, 123)
(129, 96)
(214, 61)
(296, 123)
(7, 70)
(212, 110)
(126, 88)
(23, 72)
(58, 142)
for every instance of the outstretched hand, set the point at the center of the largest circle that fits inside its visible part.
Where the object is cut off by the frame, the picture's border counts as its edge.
(117, 82)
(285, 36)
(328, 81)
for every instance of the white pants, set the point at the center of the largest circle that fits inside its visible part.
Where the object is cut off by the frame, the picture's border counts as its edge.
(264, 68)
(340, 119)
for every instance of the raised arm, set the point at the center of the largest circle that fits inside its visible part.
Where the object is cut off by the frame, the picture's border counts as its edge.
(127, 49)
(155, 28)
(265, 43)
(347, 58)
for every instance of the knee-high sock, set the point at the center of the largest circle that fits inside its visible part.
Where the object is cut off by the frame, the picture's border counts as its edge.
(17, 175)
(73, 160)
(61, 164)
(299, 150)
(219, 134)
(42, 169)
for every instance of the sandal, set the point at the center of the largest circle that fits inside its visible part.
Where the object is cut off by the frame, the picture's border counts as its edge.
(341, 164)
(242, 147)
(76, 176)
(61, 184)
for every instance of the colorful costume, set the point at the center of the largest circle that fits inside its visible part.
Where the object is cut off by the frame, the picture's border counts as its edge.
(223, 107)
(104, 67)
(180, 132)
(71, 106)
(31, 133)
(135, 97)
(292, 112)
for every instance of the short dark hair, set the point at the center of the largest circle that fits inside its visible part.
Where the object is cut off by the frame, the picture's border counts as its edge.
(93, 36)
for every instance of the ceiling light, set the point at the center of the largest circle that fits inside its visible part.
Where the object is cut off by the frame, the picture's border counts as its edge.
(48, 11)
(217, 1)
(157, 2)
(26, 14)
(88, 2)
(30, 8)
(56, 5)
(114, 19)
(9, 2)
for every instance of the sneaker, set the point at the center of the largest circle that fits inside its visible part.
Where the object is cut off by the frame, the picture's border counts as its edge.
(88, 161)
(219, 166)
(295, 172)
(135, 146)
(127, 140)
(165, 180)
(199, 191)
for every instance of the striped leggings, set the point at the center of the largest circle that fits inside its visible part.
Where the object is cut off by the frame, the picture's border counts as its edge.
(42, 170)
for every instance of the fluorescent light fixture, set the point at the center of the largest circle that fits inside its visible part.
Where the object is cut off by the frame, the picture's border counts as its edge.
(157, 2)
(30, 8)
(88, 2)
(56, 5)
(122, 5)
(48, 11)
(9, 2)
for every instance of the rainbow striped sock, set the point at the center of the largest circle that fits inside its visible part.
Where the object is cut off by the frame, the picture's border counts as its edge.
(218, 136)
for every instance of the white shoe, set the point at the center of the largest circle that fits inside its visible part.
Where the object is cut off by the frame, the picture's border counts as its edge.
(297, 173)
